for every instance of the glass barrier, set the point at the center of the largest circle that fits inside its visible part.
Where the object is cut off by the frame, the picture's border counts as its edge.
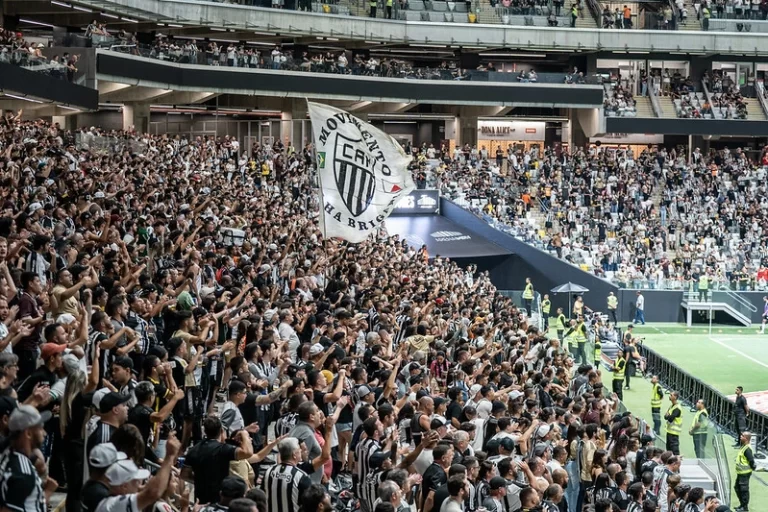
(240, 56)
(33, 62)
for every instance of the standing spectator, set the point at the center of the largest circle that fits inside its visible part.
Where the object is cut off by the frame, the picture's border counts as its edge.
(208, 461)
(23, 489)
(32, 314)
(639, 309)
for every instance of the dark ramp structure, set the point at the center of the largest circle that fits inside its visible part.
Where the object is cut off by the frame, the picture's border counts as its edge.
(450, 240)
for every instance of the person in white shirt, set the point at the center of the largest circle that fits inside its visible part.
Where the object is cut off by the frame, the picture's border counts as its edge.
(639, 309)
(457, 490)
(286, 332)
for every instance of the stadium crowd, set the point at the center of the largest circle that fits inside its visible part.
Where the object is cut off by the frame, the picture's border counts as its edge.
(178, 307)
(657, 219)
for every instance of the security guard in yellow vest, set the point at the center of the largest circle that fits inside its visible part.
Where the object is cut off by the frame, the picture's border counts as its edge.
(373, 4)
(699, 429)
(389, 9)
(706, 14)
(546, 307)
(619, 367)
(580, 337)
(745, 464)
(560, 323)
(613, 304)
(656, 396)
(528, 295)
(703, 286)
(674, 418)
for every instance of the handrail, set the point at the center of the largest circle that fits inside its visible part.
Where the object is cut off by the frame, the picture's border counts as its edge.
(723, 480)
(596, 11)
(741, 300)
(655, 105)
(760, 90)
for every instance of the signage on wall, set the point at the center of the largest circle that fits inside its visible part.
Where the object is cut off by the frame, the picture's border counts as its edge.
(418, 201)
(510, 130)
(628, 138)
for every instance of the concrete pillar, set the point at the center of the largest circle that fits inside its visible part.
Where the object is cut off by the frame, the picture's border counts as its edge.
(301, 127)
(136, 117)
(467, 132)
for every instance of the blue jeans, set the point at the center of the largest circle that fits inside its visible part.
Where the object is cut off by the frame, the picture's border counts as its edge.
(639, 316)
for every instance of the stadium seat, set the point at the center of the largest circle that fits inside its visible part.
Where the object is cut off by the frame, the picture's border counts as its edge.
(412, 16)
(460, 7)
(439, 6)
(416, 5)
(448, 17)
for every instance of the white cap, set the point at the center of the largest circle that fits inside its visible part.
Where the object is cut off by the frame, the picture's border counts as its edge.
(124, 471)
(104, 455)
(98, 395)
(315, 349)
(475, 389)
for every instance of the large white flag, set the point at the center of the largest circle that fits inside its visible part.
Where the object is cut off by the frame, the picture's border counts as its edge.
(363, 173)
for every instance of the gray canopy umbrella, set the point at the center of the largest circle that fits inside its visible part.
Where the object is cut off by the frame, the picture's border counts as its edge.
(570, 289)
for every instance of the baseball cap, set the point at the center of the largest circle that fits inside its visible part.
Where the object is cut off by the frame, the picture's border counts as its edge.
(26, 416)
(542, 431)
(70, 363)
(315, 350)
(377, 459)
(475, 389)
(437, 422)
(7, 405)
(507, 443)
(124, 471)
(363, 391)
(438, 401)
(232, 487)
(49, 350)
(497, 482)
(104, 455)
(514, 395)
(110, 400)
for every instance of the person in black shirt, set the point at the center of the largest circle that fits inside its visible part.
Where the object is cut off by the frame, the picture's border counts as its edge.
(46, 374)
(318, 384)
(144, 417)
(435, 475)
(114, 413)
(741, 410)
(208, 462)
(439, 495)
(455, 407)
(97, 486)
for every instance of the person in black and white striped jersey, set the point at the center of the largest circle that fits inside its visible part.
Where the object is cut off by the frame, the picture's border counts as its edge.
(285, 483)
(365, 450)
(22, 489)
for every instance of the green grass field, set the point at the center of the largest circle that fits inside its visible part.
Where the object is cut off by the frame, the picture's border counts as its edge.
(729, 357)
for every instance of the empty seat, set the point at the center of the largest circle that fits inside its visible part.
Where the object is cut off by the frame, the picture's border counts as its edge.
(412, 16)
(439, 6)
(425, 16)
(460, 7)
(416, 5)
(448, 17)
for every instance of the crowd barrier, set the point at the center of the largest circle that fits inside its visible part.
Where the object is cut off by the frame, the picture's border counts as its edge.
(690, 389)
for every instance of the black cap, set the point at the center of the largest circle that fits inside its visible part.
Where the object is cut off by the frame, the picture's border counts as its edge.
(7, 405)
(233, 487)
(111, 400)
(507, 443)
(497, 482)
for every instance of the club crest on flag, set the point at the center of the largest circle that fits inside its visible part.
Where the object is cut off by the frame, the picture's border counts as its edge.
(363, 173)
(356, 184)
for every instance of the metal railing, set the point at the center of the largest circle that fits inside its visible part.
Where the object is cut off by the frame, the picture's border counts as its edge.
(722, 411)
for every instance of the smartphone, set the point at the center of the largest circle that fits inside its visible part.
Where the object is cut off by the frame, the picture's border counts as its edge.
(172, 364)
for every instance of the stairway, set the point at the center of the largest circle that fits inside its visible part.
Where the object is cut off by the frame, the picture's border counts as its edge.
(667, 108)
(755, 110)
(486, 13)
(644, 107)
(586, 21)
